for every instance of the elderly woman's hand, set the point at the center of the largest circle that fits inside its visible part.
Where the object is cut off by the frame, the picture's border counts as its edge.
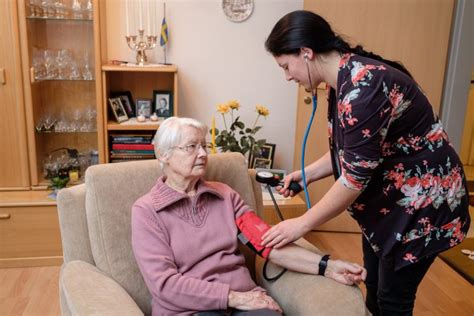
(345, 272)
(252, 300)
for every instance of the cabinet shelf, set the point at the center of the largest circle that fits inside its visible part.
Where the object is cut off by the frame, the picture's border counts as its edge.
(50, 18)
(133, 124)
(63, 80)
(140, 82)
(67, 133)
(134, 68)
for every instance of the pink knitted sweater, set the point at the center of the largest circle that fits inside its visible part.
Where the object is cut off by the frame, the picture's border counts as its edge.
(187, 248)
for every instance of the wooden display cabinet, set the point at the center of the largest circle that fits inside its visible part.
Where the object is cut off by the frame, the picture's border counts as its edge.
(61, 74)
(141, 82)
(14, 171)
(29, 230)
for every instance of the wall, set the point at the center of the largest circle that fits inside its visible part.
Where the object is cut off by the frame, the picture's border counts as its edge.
(219, 60)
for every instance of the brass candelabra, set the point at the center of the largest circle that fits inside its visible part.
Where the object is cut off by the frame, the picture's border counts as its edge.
(140, 44)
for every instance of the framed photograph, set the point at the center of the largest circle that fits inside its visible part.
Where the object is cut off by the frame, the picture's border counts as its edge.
(143, 107)
(264, 159)
(127, 101)
(262, 163)
(118, 110)
(163, 103)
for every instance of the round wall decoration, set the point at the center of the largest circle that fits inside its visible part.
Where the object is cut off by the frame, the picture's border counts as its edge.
(237, 10)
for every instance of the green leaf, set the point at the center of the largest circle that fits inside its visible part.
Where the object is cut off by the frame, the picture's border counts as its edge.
(261, 142)
(240, 125)
(244, 142)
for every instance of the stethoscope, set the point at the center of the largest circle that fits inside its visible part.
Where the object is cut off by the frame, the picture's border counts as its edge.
(270, 180)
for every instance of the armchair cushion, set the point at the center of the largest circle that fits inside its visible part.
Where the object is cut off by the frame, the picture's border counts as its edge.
(305, 294)
(87, 291)
(111, 191)
(73, 224)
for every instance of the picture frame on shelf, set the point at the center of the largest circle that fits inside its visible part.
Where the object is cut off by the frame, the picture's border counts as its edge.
(163, 103)
(117, 108)
(262, 163)
(265, 157)
(127, 101)
(143, 107)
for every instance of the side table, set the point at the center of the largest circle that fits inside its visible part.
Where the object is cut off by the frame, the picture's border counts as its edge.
(290, 208)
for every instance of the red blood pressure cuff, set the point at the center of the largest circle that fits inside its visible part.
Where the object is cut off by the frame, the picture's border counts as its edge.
(251, 229)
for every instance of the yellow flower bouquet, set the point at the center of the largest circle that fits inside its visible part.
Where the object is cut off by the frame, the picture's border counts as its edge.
(236, 137)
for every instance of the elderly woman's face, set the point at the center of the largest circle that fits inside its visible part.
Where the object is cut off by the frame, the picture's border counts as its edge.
(189, 157)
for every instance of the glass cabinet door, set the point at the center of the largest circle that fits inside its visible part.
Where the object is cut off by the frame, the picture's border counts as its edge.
(61, 90)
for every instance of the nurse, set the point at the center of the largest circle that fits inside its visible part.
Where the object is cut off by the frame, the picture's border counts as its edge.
(396, 172)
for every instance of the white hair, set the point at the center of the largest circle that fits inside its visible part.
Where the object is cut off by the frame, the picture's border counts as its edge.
(169, 135)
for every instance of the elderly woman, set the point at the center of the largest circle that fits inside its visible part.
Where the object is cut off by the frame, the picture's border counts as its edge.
(184, 236)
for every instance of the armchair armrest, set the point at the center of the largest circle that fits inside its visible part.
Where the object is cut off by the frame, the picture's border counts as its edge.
(84, 290)
(305, 294)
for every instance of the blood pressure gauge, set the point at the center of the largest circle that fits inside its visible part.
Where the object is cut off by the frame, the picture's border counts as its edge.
(273, 180)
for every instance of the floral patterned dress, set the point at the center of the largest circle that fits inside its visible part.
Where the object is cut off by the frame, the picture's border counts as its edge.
(386, 141)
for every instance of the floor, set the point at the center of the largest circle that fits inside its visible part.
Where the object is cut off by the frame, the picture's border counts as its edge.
(34, 291)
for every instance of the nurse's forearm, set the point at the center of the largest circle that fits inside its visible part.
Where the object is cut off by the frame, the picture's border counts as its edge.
(334, 202)
(319, 169)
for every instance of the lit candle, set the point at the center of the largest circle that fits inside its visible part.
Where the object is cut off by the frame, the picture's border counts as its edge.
(213, 135)
(148, 13)
(157, 31)
(140, 18)
(152, 13)
(127, 26)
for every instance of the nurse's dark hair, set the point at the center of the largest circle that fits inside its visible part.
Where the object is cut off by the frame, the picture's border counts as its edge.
(302, 28)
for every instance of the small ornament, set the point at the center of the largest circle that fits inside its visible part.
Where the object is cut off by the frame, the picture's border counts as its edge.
(154, 117)
(141, 118)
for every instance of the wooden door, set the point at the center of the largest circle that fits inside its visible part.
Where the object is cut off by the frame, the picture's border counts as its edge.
(415, 32)
(14, 171)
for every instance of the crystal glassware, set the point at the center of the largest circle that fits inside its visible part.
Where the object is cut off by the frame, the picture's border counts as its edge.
(87, 73)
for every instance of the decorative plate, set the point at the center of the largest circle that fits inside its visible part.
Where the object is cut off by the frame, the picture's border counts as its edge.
(237, 10)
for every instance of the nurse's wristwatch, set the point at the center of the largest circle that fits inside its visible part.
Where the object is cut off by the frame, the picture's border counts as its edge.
(323, 264)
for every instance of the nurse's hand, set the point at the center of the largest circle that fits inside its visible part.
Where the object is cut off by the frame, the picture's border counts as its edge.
(284, 233)
(294, 176)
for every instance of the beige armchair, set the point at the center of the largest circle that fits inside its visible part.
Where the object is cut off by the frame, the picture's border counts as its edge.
(100, 276)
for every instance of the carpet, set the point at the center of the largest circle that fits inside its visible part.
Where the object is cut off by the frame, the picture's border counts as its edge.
(459, 261)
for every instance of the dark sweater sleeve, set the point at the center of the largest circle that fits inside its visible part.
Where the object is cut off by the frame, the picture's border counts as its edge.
(365, 113)
(155, 260)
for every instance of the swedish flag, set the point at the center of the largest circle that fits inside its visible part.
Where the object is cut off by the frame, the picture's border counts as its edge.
(164, 33)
